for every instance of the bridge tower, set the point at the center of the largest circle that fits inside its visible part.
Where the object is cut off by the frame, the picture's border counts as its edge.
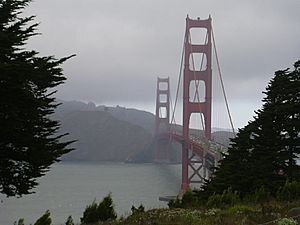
(162, 120)
(193, 167)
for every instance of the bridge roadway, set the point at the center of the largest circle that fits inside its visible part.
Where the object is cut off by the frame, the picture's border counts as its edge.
(206, 151)
(199, 146)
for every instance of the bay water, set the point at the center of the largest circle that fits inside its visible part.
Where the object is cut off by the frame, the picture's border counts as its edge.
(69, 187)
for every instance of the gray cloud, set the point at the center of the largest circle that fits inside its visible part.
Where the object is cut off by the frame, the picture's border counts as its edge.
(122, 46)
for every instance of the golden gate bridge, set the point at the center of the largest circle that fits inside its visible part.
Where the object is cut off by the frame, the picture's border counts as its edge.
(200, 154)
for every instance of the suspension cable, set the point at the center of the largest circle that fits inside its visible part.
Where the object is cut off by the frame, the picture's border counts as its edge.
(178, 83)
(170, 136)
(171, 106)
(221, 80)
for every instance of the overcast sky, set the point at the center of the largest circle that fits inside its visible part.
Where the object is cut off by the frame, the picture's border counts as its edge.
(123, 45)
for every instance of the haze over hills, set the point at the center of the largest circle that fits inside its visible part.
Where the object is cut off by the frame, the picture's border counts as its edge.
(113, 133)
(138, 117)
(100, 136)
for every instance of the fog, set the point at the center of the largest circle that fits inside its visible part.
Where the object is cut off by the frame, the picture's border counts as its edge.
(122, 46)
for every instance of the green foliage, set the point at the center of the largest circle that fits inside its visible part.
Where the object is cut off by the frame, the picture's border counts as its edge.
(227, 198)
(70, 221)
(29, 143)
(240, 213)
(294, 212)
(192, 217)
(99, 212)
(289, 192)
(106, 209)
(214, 201)
(135, 210)
(90, 214)
(286, 221)
(265, 151)
(261, 195)
(175, 203)
(20, 222)
(241, 209)
(188, 198)
(44, 219)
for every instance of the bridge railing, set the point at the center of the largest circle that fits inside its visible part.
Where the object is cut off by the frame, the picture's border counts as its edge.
(212, 147)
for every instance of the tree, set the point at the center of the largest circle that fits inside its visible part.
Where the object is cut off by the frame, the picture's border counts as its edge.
(234, 171)
(282, 105)
(106, 209)
(70, 221)
(44, 219)
(90, 214)
(102, 212)
(29, 143)
(265, 151)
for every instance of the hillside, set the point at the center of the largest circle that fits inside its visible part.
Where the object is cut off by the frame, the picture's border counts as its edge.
(134, 116)
(114, 133)
(102, 137)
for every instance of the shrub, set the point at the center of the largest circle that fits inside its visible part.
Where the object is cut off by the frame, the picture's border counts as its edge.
(241, 209)
(227, 198)
(102, 212)
(289, 192)
(140, 209)
(175, 203)
(286, 221)
(90, 214)
(214, 201)
(294, 211)
(261, 195)
(212, 212)
(188, 198)
(106, 209)
(70, 221)
(20, 222)
(192, 217)
(44, 219)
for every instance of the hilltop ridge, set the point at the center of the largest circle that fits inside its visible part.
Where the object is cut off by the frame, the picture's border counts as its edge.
(113, 133)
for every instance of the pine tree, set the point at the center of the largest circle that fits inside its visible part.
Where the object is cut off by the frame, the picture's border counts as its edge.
(234, 171)
(99, 212)
(283, 105)
(106, 209)
(265, 152)
(70, 221)
(44, 219)
(29, 143)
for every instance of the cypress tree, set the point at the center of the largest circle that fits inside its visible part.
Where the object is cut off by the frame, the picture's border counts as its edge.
(235, 169)
(29, 142)
(282, 104)
(265, 151)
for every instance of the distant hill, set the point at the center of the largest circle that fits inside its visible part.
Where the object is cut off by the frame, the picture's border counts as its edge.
(115, 133)
(102, 137)
(138, 117)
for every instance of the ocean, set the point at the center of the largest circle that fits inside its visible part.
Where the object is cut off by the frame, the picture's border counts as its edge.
(69, 187)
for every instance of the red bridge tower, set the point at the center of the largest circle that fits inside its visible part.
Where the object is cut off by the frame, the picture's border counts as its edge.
(193, 167)
(162, 120)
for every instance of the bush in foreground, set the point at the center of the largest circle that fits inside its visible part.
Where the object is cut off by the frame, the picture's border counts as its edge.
(99, 212)
(44, 219)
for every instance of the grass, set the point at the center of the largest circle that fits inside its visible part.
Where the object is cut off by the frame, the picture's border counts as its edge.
(235, 215)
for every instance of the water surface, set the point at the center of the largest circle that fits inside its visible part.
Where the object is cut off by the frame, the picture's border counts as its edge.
(69, 187)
